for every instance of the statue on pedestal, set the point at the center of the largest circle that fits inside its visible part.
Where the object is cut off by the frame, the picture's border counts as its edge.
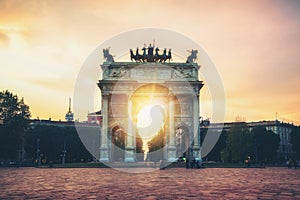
(149, 56)
(191, 58)
(107, 56)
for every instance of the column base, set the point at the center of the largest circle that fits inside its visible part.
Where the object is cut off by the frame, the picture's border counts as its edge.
(129, 155)
(197, 155)
(104, 154)
(171, 154)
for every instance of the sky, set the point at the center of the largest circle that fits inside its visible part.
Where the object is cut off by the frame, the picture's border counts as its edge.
(254, 45)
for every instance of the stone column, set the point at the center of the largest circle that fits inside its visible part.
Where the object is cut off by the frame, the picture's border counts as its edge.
(196, 132)
(171, 149)
(104, 157)
(129, 150)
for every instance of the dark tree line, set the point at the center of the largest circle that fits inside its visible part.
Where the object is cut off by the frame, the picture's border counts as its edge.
(240, 143)
(218, 151)
(53, 142)
(295, 140)
(14, 118)
(18, 141)
(156, 145)
(139, 148)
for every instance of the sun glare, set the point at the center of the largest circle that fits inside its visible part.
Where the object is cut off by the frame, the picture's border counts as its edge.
(150, 120)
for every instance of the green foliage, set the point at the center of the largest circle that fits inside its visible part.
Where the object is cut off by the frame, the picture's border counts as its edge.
(157, 142)
(14, 116)
(156, 145)
(265, 145)
(239, 142)
(216, 152)
(295, 140)
(51, 144)
(139, 148)
(12, 109)
(139, 144)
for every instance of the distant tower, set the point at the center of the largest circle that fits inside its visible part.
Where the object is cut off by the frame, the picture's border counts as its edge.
(69, 116)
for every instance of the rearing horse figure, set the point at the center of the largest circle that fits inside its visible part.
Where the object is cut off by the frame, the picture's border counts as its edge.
(191, 58)
(163, 57)
(137, 57)
(156, 55)
(108, 57)
(132, 56)
(144, 56)
(169, 56)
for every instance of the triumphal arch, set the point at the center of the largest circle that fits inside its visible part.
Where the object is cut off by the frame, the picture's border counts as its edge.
(150, 77)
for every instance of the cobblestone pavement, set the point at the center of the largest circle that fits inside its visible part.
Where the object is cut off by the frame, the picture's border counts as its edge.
(97, 183)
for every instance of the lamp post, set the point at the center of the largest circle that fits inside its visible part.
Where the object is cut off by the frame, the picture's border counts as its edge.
(63, 160)
(38, 155)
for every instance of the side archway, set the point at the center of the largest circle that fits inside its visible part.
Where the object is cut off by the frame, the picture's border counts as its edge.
(118, 136)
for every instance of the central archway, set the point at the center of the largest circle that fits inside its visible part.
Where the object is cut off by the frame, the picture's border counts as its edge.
(150, 114)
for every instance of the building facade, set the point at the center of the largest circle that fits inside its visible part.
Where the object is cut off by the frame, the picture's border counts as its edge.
(280, 128)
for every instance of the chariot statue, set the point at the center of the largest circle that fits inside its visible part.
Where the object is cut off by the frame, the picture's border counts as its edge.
(149, 55)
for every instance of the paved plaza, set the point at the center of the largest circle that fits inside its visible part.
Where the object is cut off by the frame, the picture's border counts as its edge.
(179, 183)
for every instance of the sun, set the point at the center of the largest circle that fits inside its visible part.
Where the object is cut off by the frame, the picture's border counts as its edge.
(150, 120)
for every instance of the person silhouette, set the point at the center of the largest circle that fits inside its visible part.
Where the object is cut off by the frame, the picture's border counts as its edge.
(150, 57)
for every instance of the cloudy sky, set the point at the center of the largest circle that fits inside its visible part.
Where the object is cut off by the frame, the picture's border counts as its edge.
(254, 45)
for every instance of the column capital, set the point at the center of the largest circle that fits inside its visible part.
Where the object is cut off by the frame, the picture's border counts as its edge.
(105, 95)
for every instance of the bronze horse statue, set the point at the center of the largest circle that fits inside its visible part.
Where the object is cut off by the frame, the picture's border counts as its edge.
(169, 56)
(138, 57)
(191, 58)
(108, 57)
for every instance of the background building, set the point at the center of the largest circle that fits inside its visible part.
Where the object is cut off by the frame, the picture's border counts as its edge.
(95, 117)
(280, 128)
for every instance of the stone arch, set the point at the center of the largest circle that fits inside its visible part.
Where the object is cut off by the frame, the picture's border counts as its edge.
(182, 141)
(118, 142)
(155, 94)
(121, 97)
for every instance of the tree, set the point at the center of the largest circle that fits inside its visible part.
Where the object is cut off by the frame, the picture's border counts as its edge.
(139, 148)
(14, 118)
(52, 141)
(239, 142)
(266, 144)
(216, 153)
(156, 145)
(295, 140)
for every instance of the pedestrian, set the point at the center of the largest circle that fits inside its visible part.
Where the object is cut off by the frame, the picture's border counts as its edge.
(295, 164)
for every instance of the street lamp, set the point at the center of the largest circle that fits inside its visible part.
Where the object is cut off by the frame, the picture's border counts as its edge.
(38, 155)
(64, 154)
